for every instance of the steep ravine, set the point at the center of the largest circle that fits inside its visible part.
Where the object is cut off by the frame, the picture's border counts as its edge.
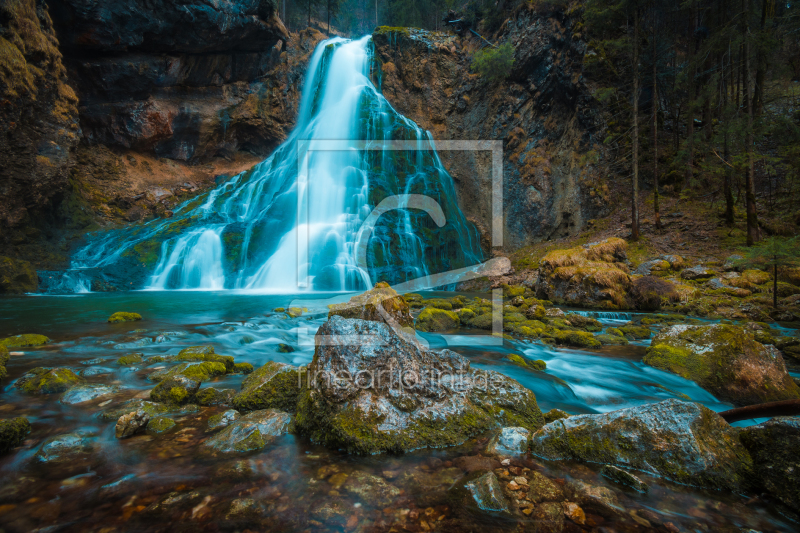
(544, 114)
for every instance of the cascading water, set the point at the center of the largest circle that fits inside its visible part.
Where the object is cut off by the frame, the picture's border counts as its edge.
(244, 233)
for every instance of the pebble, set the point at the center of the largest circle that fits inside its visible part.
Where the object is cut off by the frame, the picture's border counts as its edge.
(512, 485)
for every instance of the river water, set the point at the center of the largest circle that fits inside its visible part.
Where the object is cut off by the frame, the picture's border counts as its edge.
(165, 482)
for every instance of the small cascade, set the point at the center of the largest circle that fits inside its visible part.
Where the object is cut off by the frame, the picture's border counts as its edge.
(293, 222)
(64, 282)
(606, 316)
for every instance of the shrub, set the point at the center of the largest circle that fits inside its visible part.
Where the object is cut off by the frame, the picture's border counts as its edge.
(650, 293)
(494, 64)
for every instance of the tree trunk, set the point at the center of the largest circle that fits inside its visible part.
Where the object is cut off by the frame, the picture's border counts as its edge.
(309, 13)
(775, 285)
(750, 195)
(726, 155)
(690, 106)
(635, 182)
(329, 18)
(656, 212)
(761, 67)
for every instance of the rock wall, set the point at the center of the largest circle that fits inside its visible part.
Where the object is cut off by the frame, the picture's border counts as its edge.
(544, 113)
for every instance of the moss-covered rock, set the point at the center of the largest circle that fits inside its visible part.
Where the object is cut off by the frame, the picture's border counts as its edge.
(437, 319)
(160, 424)
(611, 340)
(372, 416)
(42, 380)
(555, 414)
(637, 332)
(4, 357)
(242, 368)
(17, 276)
(122, 316)
(222, 420)
(211, 396)
(152, 408)
(525, 363)
(465, 314)
(250, 432)
(273, 386)
(131, 359)
(24, 340)
(682, 441)
(182, 382)
(204, 353)
(13, 432)
(484, 321)
(726, 361)
(775, 448)
(578, 339)
(381, 304)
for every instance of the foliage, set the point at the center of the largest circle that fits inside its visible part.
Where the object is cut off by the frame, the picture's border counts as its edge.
(773, 253)
(494, 64)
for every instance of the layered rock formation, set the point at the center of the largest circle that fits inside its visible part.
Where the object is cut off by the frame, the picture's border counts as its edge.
(543, 113)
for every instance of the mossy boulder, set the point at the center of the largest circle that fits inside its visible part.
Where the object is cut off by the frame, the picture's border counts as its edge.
(681, 441)
(381, 304)
(774, 446)
(131, 359)
(273, 386)
(42, 380)
(439, 303)
(756, 277)
(437, 319)
(441, 401)
(611, 340)
(535, 311)
(555, 414)
(13, 432)
(122, 316)
(484, 321)
(182, 382)
(204, 353)
(25, 340)
(251, 432)
(4, 357)
(242, 368)
(525, 363)
(212, 396)
(65, 448)
(151, 408)
(637, 332)
(577, 339)
(17, 276)
(726, 361)
(160, 424)
(512, 291)
(465, 314)
(222, 420)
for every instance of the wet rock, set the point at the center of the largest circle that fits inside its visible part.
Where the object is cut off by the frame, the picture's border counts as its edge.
(204, 354)
(441, 401)
(243, 368)
(66, 447)
(525, 363)
(211, 396)
(380, 304)
(574, 512)
(476, 463)
(182, 382)
(433, 319)
(487, 493)
(332, 513)
(284, 348)
(594, 498)
(577, 339)
(131, 359)
(682, 441)
(131, 423)
(611, 340)
(549, 517)
(636, 332)
(122, 316)
(85, 393)
(94, 371)
(697, 272)
(243, 508)
(13, 432)
(42, 380)
(725, 360)
(542, 489)
(622, 477)
(17, 276)
(429, 486)
(273, 386)
(223, 420)
(250, 432)
(775, 448)
(511, 441)
(151, 408)
(370, 489)
(160, 424)
(25, 340)
(555, 414)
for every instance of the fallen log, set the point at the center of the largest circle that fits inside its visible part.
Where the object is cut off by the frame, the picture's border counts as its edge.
(762, 410)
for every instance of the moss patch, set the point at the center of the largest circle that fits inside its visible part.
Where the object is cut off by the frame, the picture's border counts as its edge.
(273, 386)
(122, 316)
(437, 319)
(42, 380)
(24, 340)
(12, 433)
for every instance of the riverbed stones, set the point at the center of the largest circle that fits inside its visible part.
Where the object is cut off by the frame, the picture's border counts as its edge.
(84, 393)
(212, 396)
(41, 380)
(726, 361)
(682, 441)
(24, 340)
(123, 316)
(369, 391)
(131, 423)
(131, 359)
(370, 489)
(775, 448)
(253, 431)
(160, 424)
(623, 477)
(487, 493)
(381, 304)
(272, 386)
(181, 383)
(65, 447)
(204, 354)
(13, 432)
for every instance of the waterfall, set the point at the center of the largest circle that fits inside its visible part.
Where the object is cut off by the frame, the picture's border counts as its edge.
(293, 220)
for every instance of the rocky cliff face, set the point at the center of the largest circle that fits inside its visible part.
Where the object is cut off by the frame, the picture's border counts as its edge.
(38, 118)
(543, 112)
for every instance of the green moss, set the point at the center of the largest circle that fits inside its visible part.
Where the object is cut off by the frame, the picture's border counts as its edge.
(439, 303)
(294, 312)
(465, 315)
(24, 340)
(4, 357)
(123, 316)
(389, 30)
(437, 319)
(204, 371)
(160, 424)
(483, 321)
(637, 332)
(615, 331)
(242, 368)
(273, 386)
(511, 291)
(48, 380)
(204, 353)
(612, 340)
(518, 360)
(12, 433)
(284, 348)
(555, 414)
(578, 339)
(131, 359)
(279, 310)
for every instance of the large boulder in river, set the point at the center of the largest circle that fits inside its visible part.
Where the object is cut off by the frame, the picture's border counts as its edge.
(775, 448)
(682, 441)
(593, 275)
(726, 361)
(273, 386)
(42, 380)
(381, 304)
(370, 390)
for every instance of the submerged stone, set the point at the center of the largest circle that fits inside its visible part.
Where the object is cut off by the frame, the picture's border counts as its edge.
(182, 382)
(612, 340)
(370, 489)
(131, 423)
(212, 396)
(370, 390)
(622, 477)
(42, 380)
(160, 424)
(273, 386)
(251, 432)
(223, 420)
(510, 441)
(151, 408)
(204, 354)
(775, 448)
(24, 340)
(681, 441)
(726, 361)
(131, 359)
(66, 447)
(487, 493)
(13, 432)
(122, 316)
(85, 393)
